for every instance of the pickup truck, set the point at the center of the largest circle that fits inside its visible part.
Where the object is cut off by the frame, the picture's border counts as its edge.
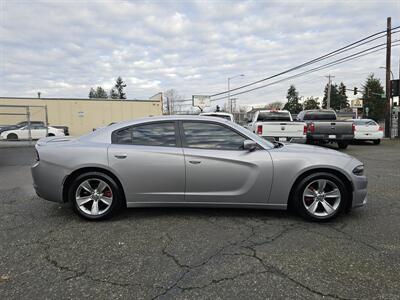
(277, 125)
(323, 127)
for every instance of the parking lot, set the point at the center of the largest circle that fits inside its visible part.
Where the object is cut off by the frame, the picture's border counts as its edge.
(49, 252)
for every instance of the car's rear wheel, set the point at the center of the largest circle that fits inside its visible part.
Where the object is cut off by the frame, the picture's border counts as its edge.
(12, 137)
(50, 134)
(377, 142)
(343, 145)
(320, 196)
(95, 196)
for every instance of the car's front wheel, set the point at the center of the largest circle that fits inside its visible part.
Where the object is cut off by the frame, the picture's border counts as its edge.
(320, 196)
(95, 196)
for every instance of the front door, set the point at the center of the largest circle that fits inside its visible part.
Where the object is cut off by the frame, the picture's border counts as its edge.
(218, 170)
(149, 161)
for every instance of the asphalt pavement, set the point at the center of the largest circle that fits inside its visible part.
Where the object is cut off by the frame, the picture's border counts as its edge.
(47, 252)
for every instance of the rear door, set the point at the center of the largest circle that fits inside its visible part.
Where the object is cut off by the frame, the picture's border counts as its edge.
(218, 170)
(148, 159)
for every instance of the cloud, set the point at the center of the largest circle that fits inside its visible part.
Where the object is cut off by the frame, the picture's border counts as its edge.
(64, 48)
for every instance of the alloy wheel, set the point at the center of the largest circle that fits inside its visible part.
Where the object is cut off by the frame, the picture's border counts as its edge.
(321, 198)
(94, 197)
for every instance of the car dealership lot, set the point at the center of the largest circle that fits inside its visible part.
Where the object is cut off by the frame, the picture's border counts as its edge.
(47, 251)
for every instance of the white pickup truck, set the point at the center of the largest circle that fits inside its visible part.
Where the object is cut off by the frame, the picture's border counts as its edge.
(278, 125)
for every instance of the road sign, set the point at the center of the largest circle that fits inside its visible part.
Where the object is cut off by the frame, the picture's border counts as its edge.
(201, 101)
(356, 103)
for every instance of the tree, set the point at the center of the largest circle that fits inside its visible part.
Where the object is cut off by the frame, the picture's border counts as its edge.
(343, 102)
(311, 103)
(372, 91)
(293, 98)
(101, 93)
(114, 94)
(92, 93)
(119, 86)
(274, 105)
(335, 97)
(173, 101)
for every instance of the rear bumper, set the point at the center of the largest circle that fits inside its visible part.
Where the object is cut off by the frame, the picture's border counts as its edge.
(299, 140)
(325, 137)
(48, 181)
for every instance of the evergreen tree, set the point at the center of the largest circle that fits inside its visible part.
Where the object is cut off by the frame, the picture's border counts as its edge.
(101, 93)
(293, 98)
(335, 97)
(114, 94)
(311, 103)
(119, 86)
(343, 103)
(92, 93)
(372, 91)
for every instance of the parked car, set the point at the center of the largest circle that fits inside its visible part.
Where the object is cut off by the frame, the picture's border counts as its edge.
(194, 161)
(64, 128)
(367, 130)
(277, 125)
(222, 115)
(20, 125)
(323, 127)
(37, 132)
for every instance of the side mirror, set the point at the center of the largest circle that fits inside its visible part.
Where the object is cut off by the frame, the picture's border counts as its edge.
(249, 145)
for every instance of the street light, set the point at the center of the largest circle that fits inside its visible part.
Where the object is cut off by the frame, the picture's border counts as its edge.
(229, 89)
(389, 70)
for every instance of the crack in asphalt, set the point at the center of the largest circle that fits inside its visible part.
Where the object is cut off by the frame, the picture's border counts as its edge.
(247, 244)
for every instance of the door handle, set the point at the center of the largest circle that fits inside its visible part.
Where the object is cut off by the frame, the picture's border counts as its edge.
(120, 156)
(195, 162)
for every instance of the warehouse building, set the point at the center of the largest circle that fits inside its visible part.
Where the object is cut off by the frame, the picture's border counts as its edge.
(79, 115)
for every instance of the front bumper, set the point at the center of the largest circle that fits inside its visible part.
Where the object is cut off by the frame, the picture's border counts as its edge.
(360, 184)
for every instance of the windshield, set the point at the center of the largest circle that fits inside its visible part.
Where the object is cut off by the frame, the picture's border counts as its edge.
(320, 115)
(264, 116)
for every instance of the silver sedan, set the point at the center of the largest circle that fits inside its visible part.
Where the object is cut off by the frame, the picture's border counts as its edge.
(194, 161)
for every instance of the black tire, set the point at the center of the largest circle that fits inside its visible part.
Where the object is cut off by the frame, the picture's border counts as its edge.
(50, 134)
(377, 142)
(297, 196)
(117, 195)
(12, 137)
(342, 145)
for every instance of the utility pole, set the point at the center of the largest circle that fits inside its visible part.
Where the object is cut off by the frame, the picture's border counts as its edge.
(388, 89)
(328, 99)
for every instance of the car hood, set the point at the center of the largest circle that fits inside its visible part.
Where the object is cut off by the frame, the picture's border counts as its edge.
(312, 150)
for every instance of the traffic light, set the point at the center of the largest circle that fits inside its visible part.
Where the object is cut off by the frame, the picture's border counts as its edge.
(355, 91)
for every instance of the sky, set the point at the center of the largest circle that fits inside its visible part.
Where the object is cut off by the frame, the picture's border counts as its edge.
(63, 48)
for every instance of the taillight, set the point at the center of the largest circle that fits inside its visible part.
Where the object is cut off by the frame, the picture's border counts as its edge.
(353, 127)
(380, 128)
(259, 129)
(311, 127)
(305, 130)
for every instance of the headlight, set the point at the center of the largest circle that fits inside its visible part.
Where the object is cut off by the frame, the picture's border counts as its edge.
(359, 170)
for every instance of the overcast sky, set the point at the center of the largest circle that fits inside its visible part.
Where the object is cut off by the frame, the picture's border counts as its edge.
(62, 48)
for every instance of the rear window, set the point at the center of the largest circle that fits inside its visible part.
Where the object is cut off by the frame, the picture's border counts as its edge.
(320, 115)
(365, 122)
(219, 116)
(264, 116)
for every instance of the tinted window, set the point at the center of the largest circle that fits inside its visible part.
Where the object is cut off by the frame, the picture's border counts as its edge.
(157, 134)
(320, 115)
(273, 116)
(211, 136)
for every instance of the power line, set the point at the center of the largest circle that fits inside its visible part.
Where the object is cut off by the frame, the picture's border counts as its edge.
(336, 62)
(322, 57)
